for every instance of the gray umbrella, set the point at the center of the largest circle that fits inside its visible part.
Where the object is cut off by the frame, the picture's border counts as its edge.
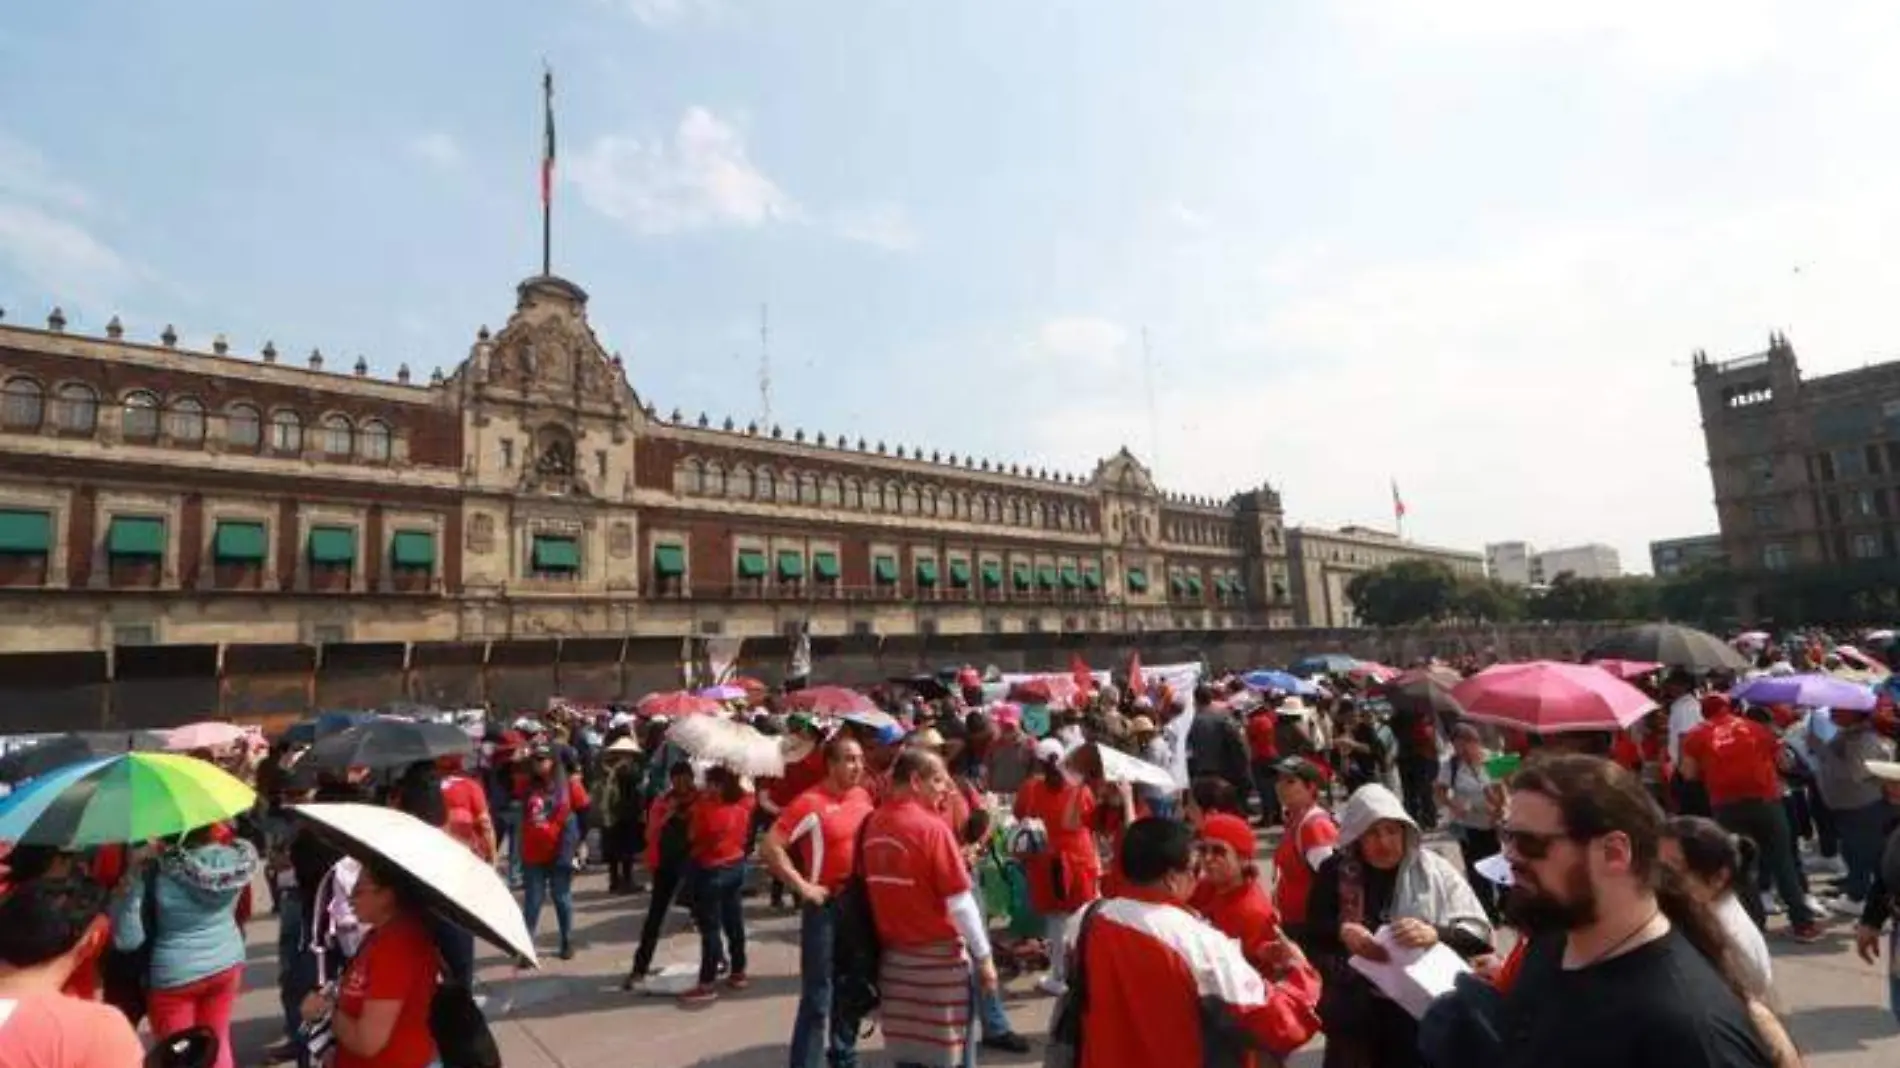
(1670, 643)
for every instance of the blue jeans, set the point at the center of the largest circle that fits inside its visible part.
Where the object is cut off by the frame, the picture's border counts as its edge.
(545, 881)
(1862, 833)
(511, 832)
(1893, 980)
(296, 965)
(816, 927)
(989, 1005)
(716, 909)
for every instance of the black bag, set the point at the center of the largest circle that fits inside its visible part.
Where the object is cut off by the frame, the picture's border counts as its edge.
(1065, 1024)
(855, 949)
(462, 1037)
(125, 975)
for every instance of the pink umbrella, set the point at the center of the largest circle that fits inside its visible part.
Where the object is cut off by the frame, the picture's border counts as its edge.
(210, 734)
(1628, 669)
(829, 701)
(1547, 697)
(1375, 671)
(677, 705)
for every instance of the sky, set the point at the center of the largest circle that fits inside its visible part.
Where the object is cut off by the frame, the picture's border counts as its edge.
(1466, 247)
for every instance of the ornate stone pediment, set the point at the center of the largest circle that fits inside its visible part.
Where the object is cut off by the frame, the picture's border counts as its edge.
(1122, 473)
(548, 353)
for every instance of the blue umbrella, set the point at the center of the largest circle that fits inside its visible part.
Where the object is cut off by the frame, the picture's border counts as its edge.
(1279, 682)
(1807, 691)
(1323, 664)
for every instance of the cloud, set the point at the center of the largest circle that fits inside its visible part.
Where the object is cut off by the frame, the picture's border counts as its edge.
(885, 226)
(25, 174)
(702, 179)
(437, 149)
(663, 13)
(43, 239)
(1072, 344)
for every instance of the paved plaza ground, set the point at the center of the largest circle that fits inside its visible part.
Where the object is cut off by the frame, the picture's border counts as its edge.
(572, 1014)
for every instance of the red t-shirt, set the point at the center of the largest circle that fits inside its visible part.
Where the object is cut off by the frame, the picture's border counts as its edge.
(719, 829)
(544, 822)
(1736, 757)
(833, 834)
(467, 806)
(911, 866)
(67, 1032)
(1261, 743)
(658, 813)
(1036, 800)
(1243, 913)
(1316, 830)
(397, 963)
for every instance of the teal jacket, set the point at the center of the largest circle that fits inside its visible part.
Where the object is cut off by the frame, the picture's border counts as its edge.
(197, 892)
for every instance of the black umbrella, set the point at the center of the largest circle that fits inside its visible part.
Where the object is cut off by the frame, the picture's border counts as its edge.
(1426, 692)
(388, 743)
(32, 761)
(1672, 644)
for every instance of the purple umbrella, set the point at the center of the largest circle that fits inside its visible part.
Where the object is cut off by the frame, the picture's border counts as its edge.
(1807, 691)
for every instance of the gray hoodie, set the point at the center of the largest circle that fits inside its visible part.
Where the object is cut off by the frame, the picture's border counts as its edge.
(1841, 766)
(1429, 887)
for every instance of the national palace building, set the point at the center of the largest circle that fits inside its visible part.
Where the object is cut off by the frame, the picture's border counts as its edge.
(154, 494)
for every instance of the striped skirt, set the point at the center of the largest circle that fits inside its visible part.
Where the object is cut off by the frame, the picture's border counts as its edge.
(925, 1003)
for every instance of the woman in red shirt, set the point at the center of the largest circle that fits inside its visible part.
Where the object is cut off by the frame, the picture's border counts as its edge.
(1230, 895)
(549, 837)
(381, 1017)
(720, 819)
(1064, 876)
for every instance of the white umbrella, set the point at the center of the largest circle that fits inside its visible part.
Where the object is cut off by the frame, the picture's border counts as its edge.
(459, 885)
(1118, 766)
(736, 746)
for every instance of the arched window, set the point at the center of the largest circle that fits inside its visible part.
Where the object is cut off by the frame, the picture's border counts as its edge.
(893, 497)
(138, 419)
(78, 409)
(242, 427)
(1015, 513)
(375, 440)
(768, 484)
(854, 494)
(339, 437)
(185, 423)
(910, 500)
(830, 492)
(695, 477)
(715, 480)
(808, 489)
(22, 404)
(286, 432)
(743, 484)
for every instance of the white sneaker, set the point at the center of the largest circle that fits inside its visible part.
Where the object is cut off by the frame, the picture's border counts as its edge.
(1825, 866)
(1052, 986)
(1771, 904)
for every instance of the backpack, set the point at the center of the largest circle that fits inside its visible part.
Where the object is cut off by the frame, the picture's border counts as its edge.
(125, 975)
(855, 948)
(462, 1037)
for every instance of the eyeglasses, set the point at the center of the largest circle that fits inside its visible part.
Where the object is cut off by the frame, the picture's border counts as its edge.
(1531, 845)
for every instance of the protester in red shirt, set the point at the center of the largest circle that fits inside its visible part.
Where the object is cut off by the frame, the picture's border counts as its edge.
(822, 825)
(550, 836)
(466, 805)
(669, 841)
(1735, 758)
(1309, 840)
(1116, 809)
(1263, 751)
(928, 923)
(381, 1017)
(1063, 877)
(1644, 749)
(1229, 895)
(719, 825)
(1155, 971)
(801, 774)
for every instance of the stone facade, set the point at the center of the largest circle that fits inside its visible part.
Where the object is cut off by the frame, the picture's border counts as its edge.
(1325, 561)
(156, 495)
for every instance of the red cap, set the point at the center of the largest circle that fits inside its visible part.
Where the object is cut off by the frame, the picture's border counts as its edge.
(1230, 831)
(1716, 704)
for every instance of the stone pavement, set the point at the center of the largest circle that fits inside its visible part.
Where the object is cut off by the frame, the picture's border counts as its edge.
(572, 1014)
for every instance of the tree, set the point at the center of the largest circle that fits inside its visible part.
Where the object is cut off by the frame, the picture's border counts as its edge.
(1404, 591)
(1487, 600)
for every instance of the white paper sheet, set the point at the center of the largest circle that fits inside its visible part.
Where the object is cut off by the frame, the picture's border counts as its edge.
(1413, 978)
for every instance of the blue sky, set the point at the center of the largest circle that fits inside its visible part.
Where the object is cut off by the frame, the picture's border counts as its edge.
(1468, 245)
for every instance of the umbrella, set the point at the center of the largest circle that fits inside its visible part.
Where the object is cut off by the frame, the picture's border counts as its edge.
(1756, 638)
(1628, 669)
(388, 743)
(1117, 766)
(457, 884)
(729, 744)
(132, 797)
(1323, 664)
(1861, 661)
(1672, 644)
(1368, 669)
(1879, 637)
(48, 754)
(1807, 691)
(1279, 682)
(677, 705)
(875, 718)
(1057, 691)
(723, 692)
(1546, 697)
(1426, 691)
(210, 734)
(322, 725)
(829, 701)
(928, 687)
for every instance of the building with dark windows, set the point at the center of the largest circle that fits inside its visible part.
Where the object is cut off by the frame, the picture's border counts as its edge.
(1673, 557)
(152, 494)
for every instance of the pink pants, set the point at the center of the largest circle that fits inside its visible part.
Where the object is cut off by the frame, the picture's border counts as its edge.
(205, 1003)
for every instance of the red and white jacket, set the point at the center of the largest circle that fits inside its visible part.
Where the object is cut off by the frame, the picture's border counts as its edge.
(1152, 965)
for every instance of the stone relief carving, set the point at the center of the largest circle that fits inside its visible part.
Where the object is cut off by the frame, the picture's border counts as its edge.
(481, 533)
(620, 540)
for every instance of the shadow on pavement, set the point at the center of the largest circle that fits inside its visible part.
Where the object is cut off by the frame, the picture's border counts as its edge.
(1840, 1028)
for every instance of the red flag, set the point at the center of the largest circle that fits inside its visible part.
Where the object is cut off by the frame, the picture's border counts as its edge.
(1079, 670)
(1398, 502)
(547, 149)
(1135, 683)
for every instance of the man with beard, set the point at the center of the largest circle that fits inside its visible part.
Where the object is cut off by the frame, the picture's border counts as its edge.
(1624, 967)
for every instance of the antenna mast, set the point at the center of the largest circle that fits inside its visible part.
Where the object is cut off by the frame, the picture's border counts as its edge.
(765, 366)
(1154, 421)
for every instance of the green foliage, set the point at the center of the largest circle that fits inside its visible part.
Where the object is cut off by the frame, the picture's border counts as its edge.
(1426, 591)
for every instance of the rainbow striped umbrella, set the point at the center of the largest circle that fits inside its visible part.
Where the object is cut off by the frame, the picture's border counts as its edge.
(132, 797)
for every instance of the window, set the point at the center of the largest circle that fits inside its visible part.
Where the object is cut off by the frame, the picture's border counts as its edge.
(329, 634)
(712, 628)
(1824, 466)
(1776, 556)
(78, 410)
(1866, 546)
(339, 438)
(715, 479)
(375, 438)
(134, 634)
(508, 453)
(1873, 458)
(1849, 463)
(1864, 504)
(139, 419)
(185, 423)
(1766, 516)
(286, 432)
(22, 404)
(768, 485)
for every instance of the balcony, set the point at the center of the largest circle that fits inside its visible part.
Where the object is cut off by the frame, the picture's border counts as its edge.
(889, 593)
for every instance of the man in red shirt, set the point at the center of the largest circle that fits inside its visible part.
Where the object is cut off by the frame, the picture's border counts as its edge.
(801, 774)
(1263, 750)
(1153, 970)
(1735, 757)
(1309, 840)
(928, 922)
(822, 824)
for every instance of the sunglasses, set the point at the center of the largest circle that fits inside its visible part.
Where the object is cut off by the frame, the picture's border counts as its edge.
(1530, 845)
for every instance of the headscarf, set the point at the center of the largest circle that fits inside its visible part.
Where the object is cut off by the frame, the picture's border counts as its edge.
(1428, 886)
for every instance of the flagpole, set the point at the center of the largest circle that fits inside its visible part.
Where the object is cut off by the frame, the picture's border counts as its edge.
(547, 171)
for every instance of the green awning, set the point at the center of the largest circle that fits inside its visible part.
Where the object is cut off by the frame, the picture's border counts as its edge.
(669, 561)
(1194, 585)
(1177, 583)
(1046, 577)
(1137, 580)
(553, 552)
(751, 563)
(825, 566)
(926, 572)
(136, 536)
(1022, 576)
(1222, 587)
(239, 543)
(992, 576)
(960, 574)
(1071, 578)
(332, 545)
(884, 569)
(26, 533)
(412, 548)
(791, 564)
(1092, 579)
